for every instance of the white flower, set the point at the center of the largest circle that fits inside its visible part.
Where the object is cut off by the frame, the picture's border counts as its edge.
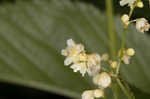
(98, 93)
(125, 2)
(93, 64)
(103, 80)
(142, 25)
(79, 67)
(75, 55)
(89, 94)
(72, 49)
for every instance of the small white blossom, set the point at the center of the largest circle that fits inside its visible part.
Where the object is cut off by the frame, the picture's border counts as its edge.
(75, 55)
(142, 25)
(89, 94)
(93, 64)
(79, 67)
(125, 2)
(98, 93)
(72, 48)
(103, 80)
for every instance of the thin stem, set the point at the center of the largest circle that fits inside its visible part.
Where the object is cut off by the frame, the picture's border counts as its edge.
(110, 25)
(123, 41)
(118, 68)
(124, 89)
(116, 91)
(122, 49)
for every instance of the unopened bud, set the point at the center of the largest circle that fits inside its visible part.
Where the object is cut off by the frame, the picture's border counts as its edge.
(104, 80)
(130, 52)
(125, 19)
(114, 64)
(140, 4)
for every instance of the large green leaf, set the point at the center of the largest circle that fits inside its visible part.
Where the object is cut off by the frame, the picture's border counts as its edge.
(32, 34)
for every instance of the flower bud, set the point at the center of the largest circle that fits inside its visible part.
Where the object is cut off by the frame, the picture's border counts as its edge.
(130, 52)
(114, 64)
(140, 4)
(125, 19)
(103, 80)
(89, 94)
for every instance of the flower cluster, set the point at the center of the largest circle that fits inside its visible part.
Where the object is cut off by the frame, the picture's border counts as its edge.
(87, 63)
(142, 24)
(75, 55)
(103, 69)
(91, 64)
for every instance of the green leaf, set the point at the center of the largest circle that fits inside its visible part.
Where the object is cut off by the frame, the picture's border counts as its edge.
(32, 34)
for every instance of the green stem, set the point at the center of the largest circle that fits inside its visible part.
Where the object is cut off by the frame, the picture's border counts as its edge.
(123, 42)
(122, 49)
(110, 25)
(116, 91)
(124, 89)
